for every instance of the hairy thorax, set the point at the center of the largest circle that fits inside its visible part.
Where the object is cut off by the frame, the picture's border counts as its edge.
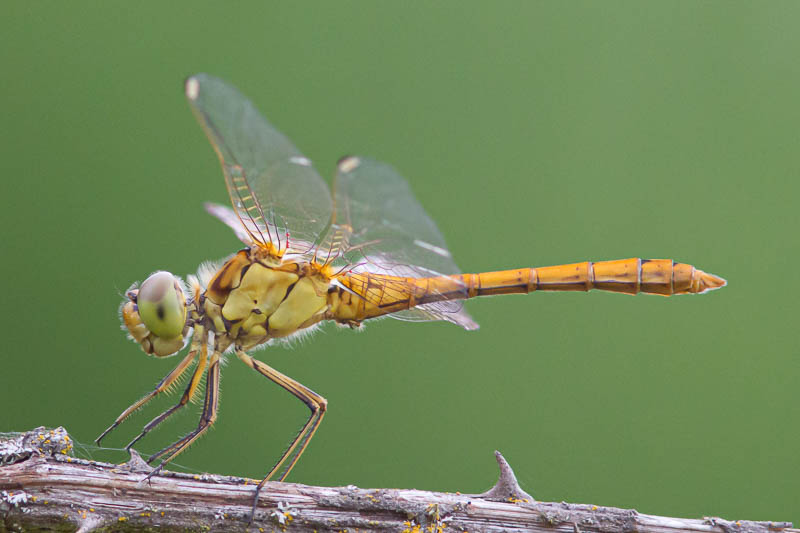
(251, 301)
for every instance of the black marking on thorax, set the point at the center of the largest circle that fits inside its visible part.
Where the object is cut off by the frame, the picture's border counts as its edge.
(288, 291)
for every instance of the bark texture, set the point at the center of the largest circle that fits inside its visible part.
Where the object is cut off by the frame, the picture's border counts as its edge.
(44, 488)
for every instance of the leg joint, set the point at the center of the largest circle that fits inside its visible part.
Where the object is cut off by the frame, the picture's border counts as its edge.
(323, 404)
(317, 404)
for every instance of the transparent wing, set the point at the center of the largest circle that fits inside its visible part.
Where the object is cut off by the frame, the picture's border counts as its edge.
(379, 226)
(431, 312)
(229, 218)
(275, 191)
(243, 229)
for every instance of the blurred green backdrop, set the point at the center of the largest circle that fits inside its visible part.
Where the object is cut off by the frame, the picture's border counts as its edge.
(535, 134)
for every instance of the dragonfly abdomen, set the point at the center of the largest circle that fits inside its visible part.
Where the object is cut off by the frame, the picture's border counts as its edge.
(378, 294)
(629, 276)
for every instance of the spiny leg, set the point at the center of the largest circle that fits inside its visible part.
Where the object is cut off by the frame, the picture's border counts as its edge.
(168, 380)
(191, 387)
(206, 419)
(316, 403)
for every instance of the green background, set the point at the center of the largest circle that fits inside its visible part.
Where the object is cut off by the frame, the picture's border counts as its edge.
(534, 134)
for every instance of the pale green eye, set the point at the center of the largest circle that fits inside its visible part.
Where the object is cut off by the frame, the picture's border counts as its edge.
(162, 306)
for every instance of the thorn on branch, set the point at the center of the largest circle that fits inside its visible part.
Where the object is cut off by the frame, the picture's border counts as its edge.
(506, 489)
(136, 463)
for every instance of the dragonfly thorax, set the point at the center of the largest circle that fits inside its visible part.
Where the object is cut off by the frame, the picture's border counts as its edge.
(250, 301)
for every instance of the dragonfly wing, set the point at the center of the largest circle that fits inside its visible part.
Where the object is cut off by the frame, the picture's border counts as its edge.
(430, 312)
(275, 191)
(230, 219)
(379, 226)
(243, 229)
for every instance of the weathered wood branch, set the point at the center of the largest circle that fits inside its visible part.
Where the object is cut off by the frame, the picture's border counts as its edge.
(44, 488)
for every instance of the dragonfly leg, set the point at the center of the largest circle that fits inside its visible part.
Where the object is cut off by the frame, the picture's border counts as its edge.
(206, 419)
(191, 387)
(165, 384)
(316, 403)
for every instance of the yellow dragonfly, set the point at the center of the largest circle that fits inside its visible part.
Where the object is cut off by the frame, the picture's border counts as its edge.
(365, 251)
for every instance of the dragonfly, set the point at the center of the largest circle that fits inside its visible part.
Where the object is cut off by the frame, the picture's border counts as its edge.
(363, 251)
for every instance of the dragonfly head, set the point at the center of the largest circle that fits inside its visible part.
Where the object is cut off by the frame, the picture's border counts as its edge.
(155, 314)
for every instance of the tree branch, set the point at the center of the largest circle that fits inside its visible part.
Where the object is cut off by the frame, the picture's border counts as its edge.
(42, 487)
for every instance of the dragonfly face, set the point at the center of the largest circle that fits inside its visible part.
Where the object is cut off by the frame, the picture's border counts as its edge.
(155, 314)
(364, 250)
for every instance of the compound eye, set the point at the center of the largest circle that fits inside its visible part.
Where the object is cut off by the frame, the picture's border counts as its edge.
(162, 306)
